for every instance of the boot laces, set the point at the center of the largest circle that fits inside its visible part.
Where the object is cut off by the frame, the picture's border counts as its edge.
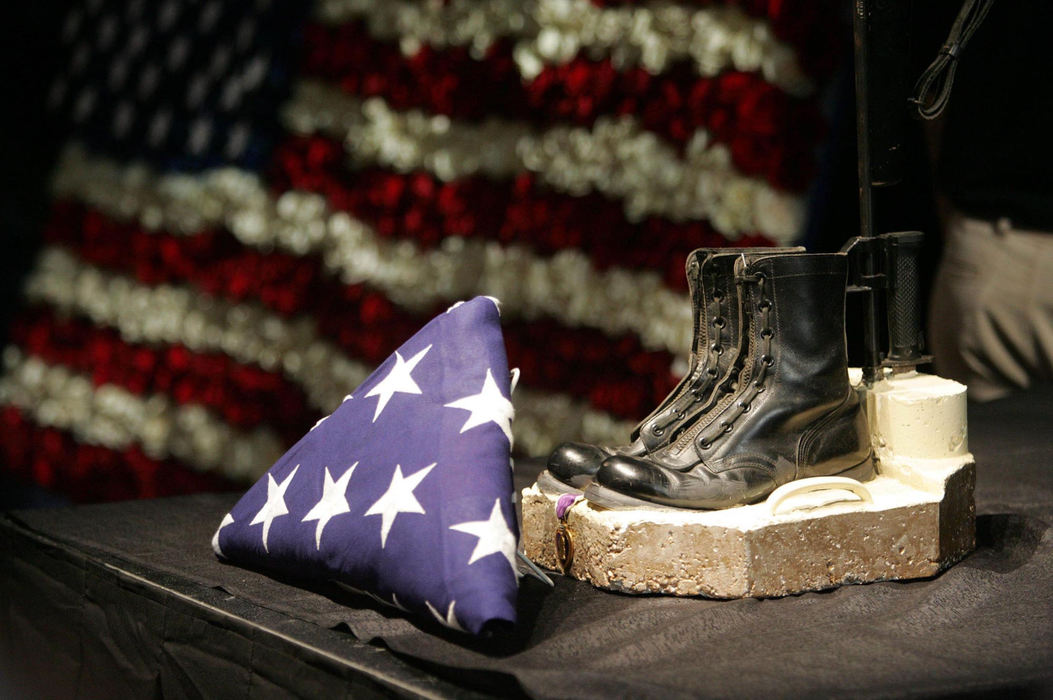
(716, 349)
(765, 361)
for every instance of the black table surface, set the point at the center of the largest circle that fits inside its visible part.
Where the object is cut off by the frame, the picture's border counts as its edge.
(127, 599)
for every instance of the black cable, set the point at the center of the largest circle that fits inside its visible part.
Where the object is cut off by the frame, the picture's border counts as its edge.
(932, 92)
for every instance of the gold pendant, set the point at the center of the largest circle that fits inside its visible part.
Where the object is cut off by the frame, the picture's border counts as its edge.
(564, 547)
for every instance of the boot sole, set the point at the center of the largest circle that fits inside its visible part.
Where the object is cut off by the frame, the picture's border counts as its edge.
(615, 500)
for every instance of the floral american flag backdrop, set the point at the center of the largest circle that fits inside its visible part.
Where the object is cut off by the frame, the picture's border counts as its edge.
(260, 202)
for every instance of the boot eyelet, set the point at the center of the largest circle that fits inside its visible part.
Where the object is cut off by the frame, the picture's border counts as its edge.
(704, 443)
(658, 431)
(717, 348)
(759, 386)
(768, 360)
(766, 333)
(764, 304)
(719, 322)
(744, 406)
(726, 426)
(711, 372)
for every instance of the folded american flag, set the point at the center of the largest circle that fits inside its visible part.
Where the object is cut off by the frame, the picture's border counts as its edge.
(405, 491)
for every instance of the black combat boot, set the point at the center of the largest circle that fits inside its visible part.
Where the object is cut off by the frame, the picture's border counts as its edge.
(792, 414)
(714, 350)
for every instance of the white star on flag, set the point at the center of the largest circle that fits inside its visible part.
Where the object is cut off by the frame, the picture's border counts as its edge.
(494, 300)
(323, 418)
(494, 536)
(333, 502)
(488, 406)
(450, 620)
(228, 519)
(275, 505)
(397, 499)
(397, 381)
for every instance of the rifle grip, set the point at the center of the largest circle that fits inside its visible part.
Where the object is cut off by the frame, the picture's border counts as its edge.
(906, 340)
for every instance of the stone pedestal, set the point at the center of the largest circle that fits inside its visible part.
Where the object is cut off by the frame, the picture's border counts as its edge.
(914, 519)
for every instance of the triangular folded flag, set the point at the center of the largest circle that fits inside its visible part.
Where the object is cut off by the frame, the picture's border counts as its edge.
(404, 492)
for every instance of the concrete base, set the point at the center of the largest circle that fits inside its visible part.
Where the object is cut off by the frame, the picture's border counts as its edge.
(915, 519)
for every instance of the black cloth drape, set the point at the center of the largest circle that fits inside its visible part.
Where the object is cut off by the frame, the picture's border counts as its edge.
(127, 599)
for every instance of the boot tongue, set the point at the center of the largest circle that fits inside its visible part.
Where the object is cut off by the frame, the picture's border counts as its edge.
(747, 266)
(739, 270)
(693, 271)
(700, 262)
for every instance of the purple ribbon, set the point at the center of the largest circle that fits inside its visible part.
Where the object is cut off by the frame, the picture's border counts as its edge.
(564, 503)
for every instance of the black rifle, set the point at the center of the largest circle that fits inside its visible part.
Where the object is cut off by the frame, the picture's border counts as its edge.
(885, 265)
